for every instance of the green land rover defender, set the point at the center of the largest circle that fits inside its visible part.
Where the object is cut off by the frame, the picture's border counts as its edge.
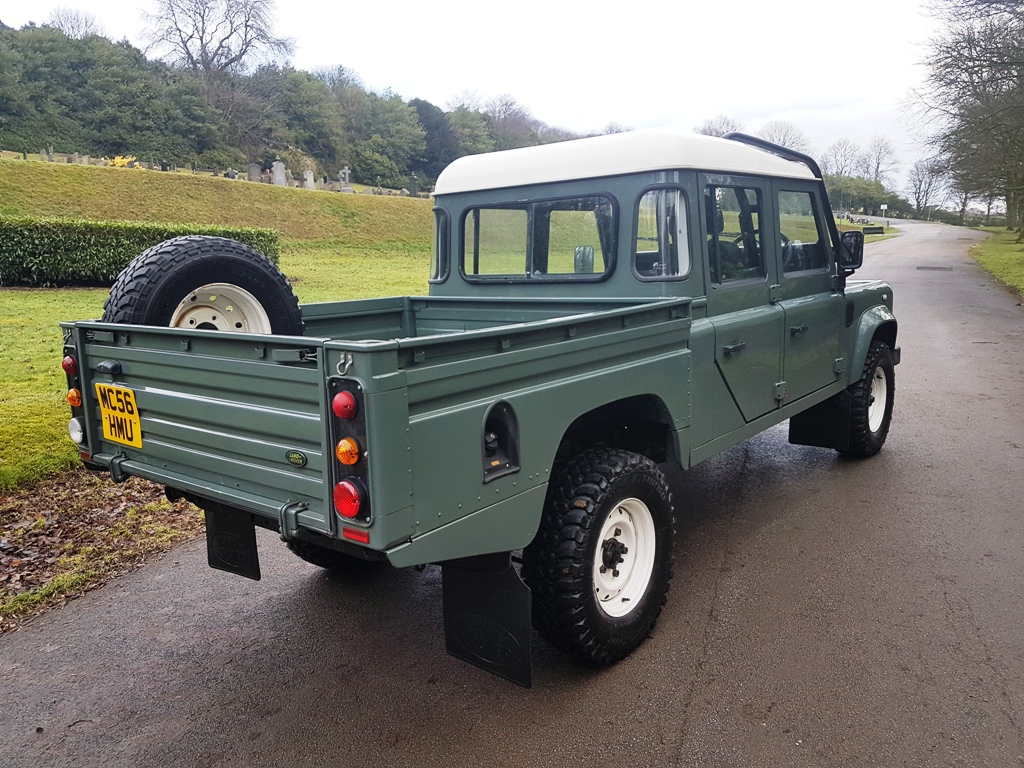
(597, 309)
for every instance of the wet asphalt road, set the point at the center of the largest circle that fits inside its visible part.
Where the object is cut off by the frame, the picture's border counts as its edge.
(824, 612)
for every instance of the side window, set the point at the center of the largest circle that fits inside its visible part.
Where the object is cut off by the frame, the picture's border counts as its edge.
(439, 255)
(662, 246)
(734, 233)
(800, 228)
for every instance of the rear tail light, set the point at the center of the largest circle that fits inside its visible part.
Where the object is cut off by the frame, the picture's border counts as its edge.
(344, 405)
(70, 365)
(76, 428)
(348, 499)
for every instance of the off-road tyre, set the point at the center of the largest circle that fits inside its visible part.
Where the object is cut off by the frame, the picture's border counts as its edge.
(872, 398)
(180, 281)
(329, 559)
(600, 500)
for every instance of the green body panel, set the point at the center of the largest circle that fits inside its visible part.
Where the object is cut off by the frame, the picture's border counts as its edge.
(245, 420)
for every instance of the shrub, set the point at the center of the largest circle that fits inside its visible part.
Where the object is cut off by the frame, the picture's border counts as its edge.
(56, 252)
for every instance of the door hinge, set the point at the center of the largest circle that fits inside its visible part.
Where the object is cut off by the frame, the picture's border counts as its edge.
(781, 391)
(775, 293)
(840, 366)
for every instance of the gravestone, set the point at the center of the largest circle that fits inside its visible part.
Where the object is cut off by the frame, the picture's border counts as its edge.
(231, 173)
(279, 174)
(307, 180)
(255, 172)
(49, 154)
(343, 176)
(86, 160)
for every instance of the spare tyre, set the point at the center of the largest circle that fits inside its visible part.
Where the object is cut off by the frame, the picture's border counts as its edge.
(207, 283)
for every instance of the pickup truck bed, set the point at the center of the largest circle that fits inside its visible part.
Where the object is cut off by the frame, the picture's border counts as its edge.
(236, 418)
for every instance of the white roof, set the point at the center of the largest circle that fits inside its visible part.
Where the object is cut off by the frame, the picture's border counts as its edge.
(614, 154)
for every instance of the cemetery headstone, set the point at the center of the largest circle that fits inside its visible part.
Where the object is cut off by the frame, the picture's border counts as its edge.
(255, 172)
(279, 174)
(307, 180)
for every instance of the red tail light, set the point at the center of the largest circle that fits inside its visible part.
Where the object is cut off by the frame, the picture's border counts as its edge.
(347, 499)
(344, 405)
(70, 366)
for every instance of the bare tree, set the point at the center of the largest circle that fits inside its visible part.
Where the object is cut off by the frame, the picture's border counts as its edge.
(841, 158)
(975, 97)
(212, 36)
(512, 124)
(718, 126)
(785, 134)
(879, 161)
(75, 24)
(616, 128)
(924, 185)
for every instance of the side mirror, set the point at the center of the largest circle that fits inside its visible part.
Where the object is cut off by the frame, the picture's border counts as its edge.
(851, 250)
(583, 261)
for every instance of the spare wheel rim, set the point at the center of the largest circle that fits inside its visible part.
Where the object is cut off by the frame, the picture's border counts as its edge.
(221, 307)
(624, 558)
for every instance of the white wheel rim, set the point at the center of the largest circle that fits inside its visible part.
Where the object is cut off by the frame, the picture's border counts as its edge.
(879, 398)
(221, 307)
(627, 537)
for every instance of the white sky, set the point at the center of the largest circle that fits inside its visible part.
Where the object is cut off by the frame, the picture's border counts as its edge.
(836, 70)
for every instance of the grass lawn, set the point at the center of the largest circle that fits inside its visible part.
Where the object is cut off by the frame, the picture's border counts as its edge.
(1002, 256)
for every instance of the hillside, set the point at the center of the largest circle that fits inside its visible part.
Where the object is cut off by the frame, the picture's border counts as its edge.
(303, 217)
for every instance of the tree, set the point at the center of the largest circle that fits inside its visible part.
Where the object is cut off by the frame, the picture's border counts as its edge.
(841, 158)
(974, 96)
(441, 144)
(785, 134)
(510, 123)
(214, 36)
(879, 161)
(75, 24)
(924, 185)
(718, 126)
(470, 128)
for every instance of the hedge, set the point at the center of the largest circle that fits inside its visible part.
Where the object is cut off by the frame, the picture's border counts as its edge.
(56, 252)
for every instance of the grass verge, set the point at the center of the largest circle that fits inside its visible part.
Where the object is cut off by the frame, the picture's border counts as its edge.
(1003, 257)
(71, 533)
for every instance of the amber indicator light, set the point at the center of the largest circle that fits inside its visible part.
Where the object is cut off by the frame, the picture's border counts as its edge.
(74, 398)
(347, 451)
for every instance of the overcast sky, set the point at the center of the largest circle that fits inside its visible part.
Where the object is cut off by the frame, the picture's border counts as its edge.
(836, 70)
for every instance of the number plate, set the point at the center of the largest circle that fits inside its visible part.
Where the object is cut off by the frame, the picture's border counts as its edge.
(120, 415)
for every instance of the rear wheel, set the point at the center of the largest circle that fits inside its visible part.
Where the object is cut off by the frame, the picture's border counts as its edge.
(204, 283)
(601, 563)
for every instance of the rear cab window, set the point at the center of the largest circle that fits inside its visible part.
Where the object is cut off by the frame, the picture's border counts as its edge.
(570, 238)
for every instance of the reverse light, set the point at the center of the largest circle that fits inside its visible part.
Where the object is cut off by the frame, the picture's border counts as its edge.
(347, 499)
(344, 405)
(74, 398)
(76, 428)
(70, 365)
(347, 451)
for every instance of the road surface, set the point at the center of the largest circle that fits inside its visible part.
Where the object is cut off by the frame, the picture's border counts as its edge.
(824, 612)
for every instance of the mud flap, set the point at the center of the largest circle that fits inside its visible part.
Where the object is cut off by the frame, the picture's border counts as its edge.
(825, 425)
(487, 615)
(231, 541)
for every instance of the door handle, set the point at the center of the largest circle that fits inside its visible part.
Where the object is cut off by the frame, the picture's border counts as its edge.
(734, 349)
(796, 330)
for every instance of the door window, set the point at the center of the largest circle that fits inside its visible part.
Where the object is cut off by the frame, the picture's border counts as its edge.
(734, 234)
(800, 230)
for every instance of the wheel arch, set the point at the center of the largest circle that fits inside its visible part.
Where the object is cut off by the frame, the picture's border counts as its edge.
(876, 324)
(639, 423)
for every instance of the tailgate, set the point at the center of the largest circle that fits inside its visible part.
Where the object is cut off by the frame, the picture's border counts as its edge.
(230, 418)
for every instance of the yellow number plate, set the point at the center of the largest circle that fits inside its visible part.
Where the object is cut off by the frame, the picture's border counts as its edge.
(120, 415)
